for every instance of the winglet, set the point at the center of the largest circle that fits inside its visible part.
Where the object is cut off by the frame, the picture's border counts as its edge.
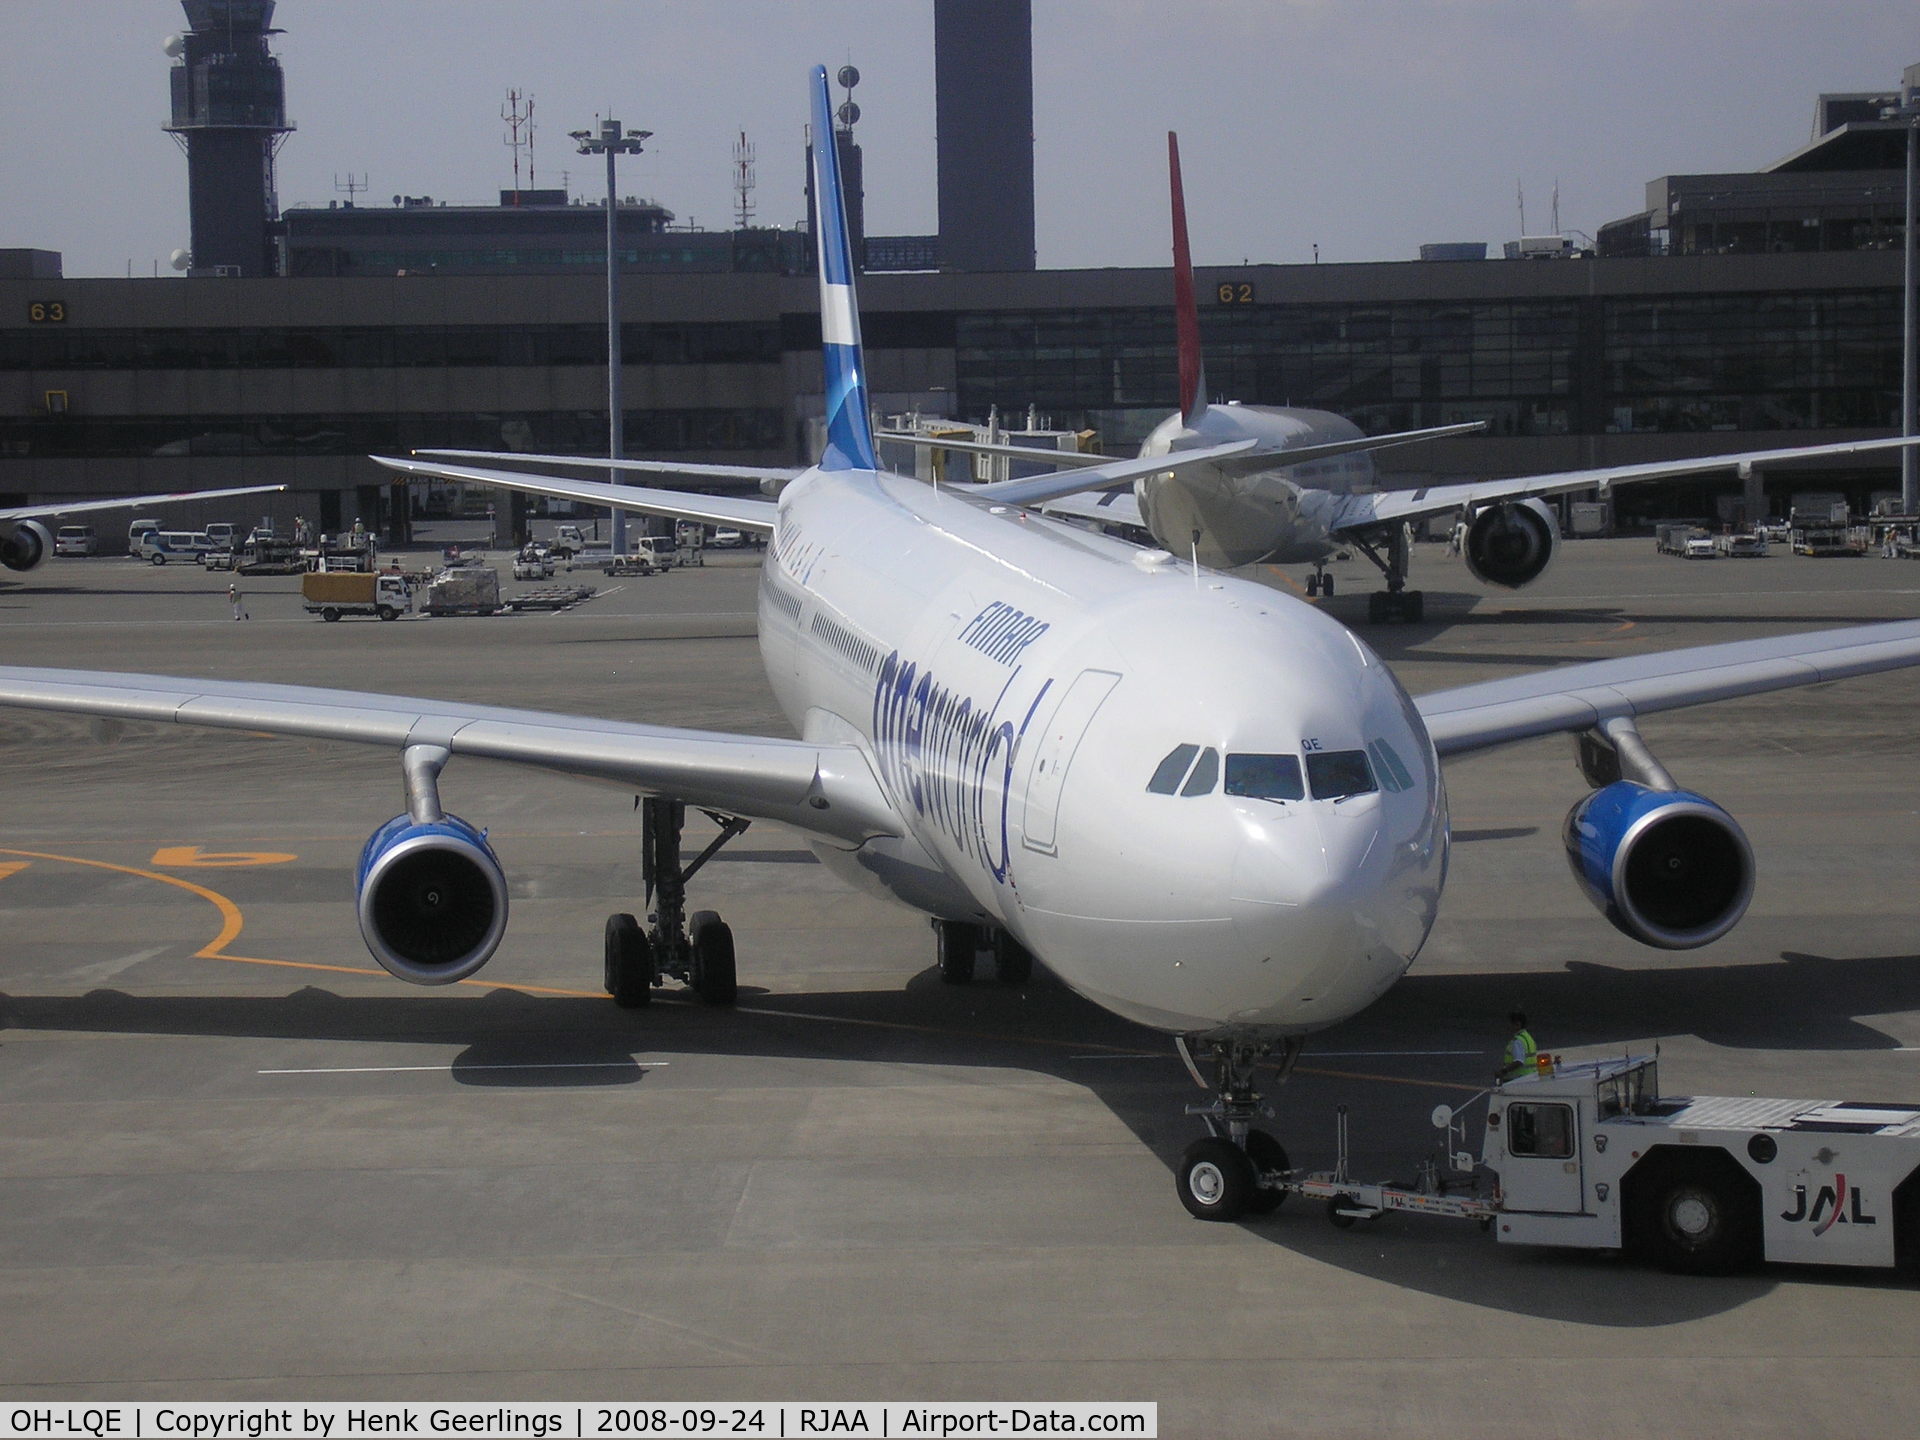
(1193, 373)
(849, 425)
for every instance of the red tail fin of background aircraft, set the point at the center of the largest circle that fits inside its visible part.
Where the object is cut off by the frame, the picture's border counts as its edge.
(1193, 374)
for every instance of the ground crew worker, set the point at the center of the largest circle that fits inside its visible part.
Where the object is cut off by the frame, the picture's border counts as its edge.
(233, 599)
(1520, 1052)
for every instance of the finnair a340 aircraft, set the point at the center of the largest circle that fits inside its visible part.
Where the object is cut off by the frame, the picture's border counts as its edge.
(1305, 486)
(25, 541)
(1204, 804)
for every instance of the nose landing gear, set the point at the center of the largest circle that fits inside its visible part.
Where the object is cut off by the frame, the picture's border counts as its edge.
(1233, 1171)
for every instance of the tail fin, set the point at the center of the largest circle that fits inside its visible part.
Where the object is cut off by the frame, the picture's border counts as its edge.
(849, 426)
(1186, 313)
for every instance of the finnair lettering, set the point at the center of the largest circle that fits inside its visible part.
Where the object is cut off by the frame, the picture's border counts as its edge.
(950, 758)
(1001, 632)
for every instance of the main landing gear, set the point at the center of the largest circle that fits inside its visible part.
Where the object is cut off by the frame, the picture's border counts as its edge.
(697, 949)
(1396, 604)
(1234, 1170)
(957, 945)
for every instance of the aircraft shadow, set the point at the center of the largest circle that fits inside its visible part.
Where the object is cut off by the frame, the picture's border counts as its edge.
(1433, 1037)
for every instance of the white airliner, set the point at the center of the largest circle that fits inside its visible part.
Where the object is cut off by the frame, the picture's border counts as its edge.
(25, 542)
(1204, 804)
(1247, 508)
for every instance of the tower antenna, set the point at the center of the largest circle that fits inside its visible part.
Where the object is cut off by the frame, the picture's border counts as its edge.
(518, 113)
(351, 187)
(743, 181)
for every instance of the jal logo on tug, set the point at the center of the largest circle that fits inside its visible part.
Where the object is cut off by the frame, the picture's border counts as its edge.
(1831, 1203)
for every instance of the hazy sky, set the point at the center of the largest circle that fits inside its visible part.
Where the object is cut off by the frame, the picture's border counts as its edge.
(1363, 126)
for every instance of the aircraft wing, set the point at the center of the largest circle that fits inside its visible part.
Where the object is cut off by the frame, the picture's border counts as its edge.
(824, 790)
(76, 507)
(741, 512)
(1109, 507)
(1364, 512)
(1577, 697)
(646, 467)
(1250, 462)
(1037, 488)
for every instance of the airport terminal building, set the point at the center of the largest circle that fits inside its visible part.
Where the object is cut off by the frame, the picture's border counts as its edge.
(129, 386)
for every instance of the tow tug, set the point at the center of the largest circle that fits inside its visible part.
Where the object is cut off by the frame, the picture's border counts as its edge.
(1590, 1155)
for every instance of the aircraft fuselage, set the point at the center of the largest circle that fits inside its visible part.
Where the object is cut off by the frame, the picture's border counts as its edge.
(1280, 515)
(1022, 687)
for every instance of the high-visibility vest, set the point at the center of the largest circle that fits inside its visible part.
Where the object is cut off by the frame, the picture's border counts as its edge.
(1520, 1064)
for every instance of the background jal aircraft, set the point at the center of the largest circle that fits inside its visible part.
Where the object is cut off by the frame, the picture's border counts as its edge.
(26, 542)
(1204, 804)
(1246, 509)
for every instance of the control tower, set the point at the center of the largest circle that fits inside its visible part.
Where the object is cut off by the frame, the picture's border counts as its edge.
(230, 116)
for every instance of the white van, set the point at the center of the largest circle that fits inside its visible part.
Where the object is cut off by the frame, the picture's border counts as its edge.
(75, 540)
(160, 546)
(136, 531)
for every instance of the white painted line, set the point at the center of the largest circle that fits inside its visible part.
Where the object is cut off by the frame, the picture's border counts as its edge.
(409, 1069)
(1308, 1055)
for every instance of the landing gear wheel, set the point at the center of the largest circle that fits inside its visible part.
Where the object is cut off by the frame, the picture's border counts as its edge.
(1326, 586)
(955, 943)
(1215, 1179)
(1268, 1157)
(1313, 586)
(713, 971)
(629, 962)
(1012, 961)
(1699, 1226)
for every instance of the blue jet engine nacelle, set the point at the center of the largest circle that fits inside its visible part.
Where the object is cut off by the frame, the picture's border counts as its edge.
(432, 899)
(27, 546)
(1668, 867)
(1511, 543)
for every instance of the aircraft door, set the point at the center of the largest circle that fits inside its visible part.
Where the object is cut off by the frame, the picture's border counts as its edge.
(1054, 754)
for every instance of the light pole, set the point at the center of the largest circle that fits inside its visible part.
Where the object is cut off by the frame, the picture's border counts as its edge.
(1909, 114)
(610, 141)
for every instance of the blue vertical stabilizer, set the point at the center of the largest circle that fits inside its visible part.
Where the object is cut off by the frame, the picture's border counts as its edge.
(849, 425)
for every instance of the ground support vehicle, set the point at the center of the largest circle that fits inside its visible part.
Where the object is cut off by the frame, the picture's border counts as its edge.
(1740, 547)
(466, 591)
(1592, 1156)
(75, 540)
(551, 597)
(1836, 539)
(333, 593)
(220, 559)
(1671, 538)
(267, 555)
(533, 563)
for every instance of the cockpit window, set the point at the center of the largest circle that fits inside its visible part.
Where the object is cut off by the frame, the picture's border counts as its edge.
(1336, 774)
(1386, 763)
(1167, 777)
(1265, 777)
(1206, 772)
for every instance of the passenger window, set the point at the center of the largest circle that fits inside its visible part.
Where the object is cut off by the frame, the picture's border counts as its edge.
(1265, 777)
(1206, 772)
(1166, 779)
(1545, 1131)
(1336, 774)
